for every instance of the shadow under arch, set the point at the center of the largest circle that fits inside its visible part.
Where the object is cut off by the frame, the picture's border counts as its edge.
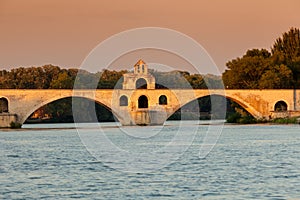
(90, 109)
(141, 83)
(222, 103)
(143, 101)
(281, 106)
(3, 105)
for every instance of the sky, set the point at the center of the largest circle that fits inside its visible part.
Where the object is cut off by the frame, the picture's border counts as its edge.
(64, 32)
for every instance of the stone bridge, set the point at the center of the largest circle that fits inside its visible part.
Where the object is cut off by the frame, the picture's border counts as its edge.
(147, 106)
(140, 103)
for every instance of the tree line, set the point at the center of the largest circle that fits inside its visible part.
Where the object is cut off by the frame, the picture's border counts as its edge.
(54, 77)
(261, 69)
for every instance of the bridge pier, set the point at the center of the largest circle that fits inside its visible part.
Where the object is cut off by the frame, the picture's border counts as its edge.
(296, 101)
(142, 117)
(7, 119)
(148, 117)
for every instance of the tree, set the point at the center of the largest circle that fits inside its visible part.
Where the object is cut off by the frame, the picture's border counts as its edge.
(213, 81)
(111, 79)
(277, 77)
(286, 50)
(196, 81)
(246, 72)
(63, 81)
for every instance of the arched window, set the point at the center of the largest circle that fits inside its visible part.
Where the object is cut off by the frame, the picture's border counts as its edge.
(123, 101)
(163, 100)
(3, 105)
(280, 106)
(141, 84)
(143, 102)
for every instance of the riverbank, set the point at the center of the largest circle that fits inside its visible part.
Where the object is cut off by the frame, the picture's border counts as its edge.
(292, 120)
(251, 120)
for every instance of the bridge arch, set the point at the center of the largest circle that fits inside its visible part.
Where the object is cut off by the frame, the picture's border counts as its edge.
(141, 83)
(250, 109)
(53, 99)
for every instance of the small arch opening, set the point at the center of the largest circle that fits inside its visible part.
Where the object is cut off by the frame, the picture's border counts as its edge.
(123, 101)
(141, 84)
(3, 105)
(163, 100)
(143, 102)
(280, 106)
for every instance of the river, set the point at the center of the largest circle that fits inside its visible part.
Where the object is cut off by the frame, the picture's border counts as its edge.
(59, 161)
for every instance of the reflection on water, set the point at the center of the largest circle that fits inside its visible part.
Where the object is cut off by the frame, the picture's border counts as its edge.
(249, 162)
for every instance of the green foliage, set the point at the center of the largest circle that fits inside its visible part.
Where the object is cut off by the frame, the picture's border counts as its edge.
(239, 119)
(195, 81)
(86, 80)
(247, 120)
(292, 120)
(33, 77)
(286, 50)
(63, 81)
(276, 78)
(213, 81)
(111, 79)
(53, 77)
(178, 80)
(240, 115)
(246, 72)
(15, 125)
(260, 69)
(233, 118)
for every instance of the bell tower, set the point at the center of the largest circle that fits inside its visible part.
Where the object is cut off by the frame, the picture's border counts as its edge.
(140, 78)
(140, 67)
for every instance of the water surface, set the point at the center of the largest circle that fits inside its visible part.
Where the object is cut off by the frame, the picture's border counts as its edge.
(248, 162)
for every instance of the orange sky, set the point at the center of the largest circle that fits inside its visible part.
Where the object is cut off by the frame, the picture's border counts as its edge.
(63, 32)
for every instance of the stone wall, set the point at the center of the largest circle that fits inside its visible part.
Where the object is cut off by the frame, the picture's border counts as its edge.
(6, 119)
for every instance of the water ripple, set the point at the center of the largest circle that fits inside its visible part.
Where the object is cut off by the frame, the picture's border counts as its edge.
(248, 162)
